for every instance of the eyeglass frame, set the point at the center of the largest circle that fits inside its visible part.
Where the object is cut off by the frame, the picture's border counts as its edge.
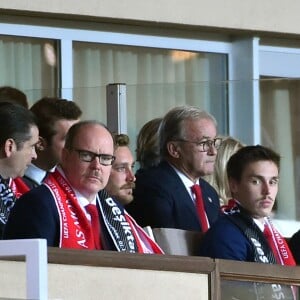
(207, 143)
(94, 155)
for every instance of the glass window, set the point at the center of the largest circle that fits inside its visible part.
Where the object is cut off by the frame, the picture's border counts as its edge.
(156, 79)
(280, 112)
(29, 64)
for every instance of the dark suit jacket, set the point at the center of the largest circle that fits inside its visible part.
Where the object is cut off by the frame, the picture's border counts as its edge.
(30, 182)
(35, 215)
(294, 244)
(161, 200)
(225, 240)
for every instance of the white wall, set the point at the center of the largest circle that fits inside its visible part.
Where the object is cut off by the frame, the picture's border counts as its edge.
(255, 15)
(87, 282)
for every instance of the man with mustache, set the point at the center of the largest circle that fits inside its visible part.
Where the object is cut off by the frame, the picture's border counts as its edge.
(71, 209)
(121, 180)
(245, 232)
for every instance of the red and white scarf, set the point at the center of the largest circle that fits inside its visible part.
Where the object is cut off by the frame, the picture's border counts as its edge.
(7, 199)
(277, 243)
(19, 187)
(75, 228)
(279, 246)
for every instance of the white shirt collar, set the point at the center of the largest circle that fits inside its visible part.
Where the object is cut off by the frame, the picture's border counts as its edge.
(260, 224)
(35, 173)
(187, 182)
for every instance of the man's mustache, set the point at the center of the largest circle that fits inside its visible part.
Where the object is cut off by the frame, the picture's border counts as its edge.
(127, 186)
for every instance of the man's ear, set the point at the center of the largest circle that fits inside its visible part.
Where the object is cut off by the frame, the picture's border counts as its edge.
(233, 186)
(10, 147)
(41, 144)
(64, 153)
(173, 149)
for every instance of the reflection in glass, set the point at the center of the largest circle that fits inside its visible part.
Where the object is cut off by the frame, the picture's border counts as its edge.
(30, 65)
(156, 79)
(238, 290)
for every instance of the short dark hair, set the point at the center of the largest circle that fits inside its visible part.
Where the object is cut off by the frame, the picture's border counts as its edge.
(16, 122)
(13, 95)
(49, 110)
(249, 154)
(75, 128)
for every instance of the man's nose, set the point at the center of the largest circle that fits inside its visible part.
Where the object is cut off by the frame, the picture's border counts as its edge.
(33, 154)
(266, 188)
(130, 175)
(212, 150)
(96, 163)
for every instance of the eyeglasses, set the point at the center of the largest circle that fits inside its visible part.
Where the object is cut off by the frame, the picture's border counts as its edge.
(88, 156)
(205, 145)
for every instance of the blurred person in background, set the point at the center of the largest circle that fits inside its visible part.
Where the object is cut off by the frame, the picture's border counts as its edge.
(54, 118)
(13, 95)
(219, 178)
(147, 144)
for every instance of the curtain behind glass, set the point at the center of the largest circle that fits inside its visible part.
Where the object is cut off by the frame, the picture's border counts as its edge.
(156, 79)
(29, 64)
(280, 111)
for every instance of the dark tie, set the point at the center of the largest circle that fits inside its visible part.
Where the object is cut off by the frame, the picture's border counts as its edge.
(271, 242)
(47, 173)
(93, 211)
(200, 207)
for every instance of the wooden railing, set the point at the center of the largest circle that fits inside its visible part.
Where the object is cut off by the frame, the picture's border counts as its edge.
(118, 275)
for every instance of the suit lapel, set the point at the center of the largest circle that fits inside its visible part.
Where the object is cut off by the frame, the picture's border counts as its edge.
(207, 199)
(181, 193)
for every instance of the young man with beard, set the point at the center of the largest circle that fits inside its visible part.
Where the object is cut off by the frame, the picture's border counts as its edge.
(121, 180)
(71, 209)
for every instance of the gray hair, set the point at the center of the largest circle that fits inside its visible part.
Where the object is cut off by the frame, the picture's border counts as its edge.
(172, 125)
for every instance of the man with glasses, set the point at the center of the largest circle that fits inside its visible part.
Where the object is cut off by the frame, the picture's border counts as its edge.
(71, 209)
(173, 194)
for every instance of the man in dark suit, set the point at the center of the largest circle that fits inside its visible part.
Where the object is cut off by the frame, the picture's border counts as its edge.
(18, 137)
(68, 210)
(163, 196)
